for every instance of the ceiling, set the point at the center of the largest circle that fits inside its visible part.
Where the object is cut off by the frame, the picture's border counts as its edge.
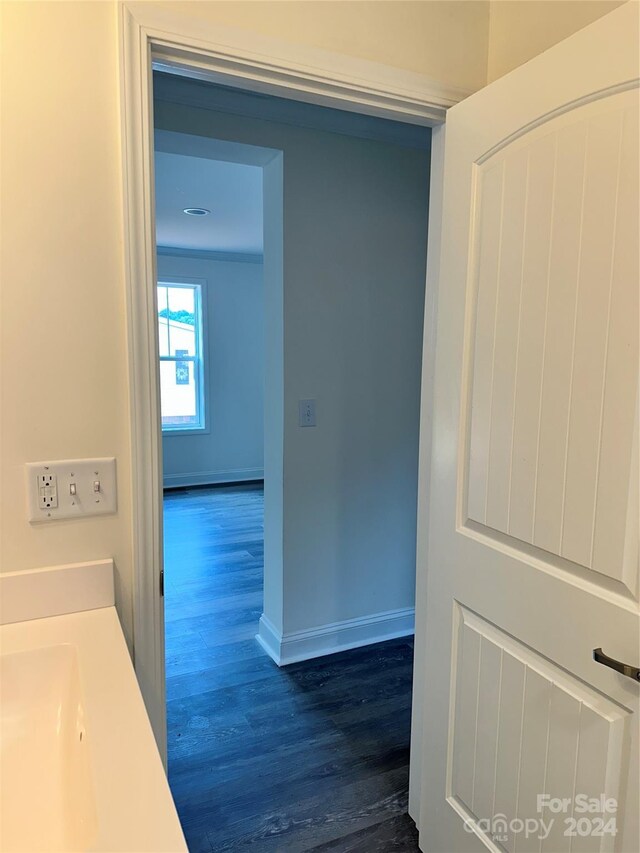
(231, 191)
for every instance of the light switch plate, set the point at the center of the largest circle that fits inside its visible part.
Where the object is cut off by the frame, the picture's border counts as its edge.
(82, 487)
(306, 413)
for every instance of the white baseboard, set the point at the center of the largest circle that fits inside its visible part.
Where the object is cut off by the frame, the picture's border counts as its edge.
(335, 636)
(206, 478)
(269, 638)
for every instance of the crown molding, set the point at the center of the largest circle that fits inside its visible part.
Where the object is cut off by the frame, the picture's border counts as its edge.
(211, 255)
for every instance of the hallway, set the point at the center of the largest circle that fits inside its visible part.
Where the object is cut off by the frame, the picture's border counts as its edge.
(310, 757)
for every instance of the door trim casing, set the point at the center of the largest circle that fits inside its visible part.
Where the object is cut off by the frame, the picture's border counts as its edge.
(150, 37)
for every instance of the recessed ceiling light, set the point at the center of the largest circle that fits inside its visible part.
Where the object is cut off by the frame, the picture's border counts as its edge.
(196, 211)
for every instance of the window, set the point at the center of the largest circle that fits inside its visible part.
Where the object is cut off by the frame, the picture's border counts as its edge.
(181, 357)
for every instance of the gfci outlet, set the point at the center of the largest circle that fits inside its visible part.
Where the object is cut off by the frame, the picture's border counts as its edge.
(47, 491)
(71, 488)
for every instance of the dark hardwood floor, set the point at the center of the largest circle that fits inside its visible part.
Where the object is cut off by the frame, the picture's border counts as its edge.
(313, 756)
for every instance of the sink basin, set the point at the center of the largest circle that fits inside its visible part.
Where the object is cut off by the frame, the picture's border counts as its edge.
(46, 792)
(79, 765)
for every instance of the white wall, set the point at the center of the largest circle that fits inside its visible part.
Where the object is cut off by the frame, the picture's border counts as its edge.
(443, 39)
(232, 449)
(355, 221)
(521, 29)
(64, 343)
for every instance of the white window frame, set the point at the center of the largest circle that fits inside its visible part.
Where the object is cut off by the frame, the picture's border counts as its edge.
(200, 360)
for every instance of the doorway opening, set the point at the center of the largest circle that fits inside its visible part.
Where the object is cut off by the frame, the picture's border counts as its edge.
(220, 345)
(279, 698)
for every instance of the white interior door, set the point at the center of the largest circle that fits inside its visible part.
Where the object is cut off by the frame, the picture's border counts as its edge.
(532, 556)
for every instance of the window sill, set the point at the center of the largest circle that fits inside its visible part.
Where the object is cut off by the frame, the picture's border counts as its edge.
(166, 433)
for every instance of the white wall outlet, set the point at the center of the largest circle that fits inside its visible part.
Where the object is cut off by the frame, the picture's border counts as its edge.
(47, 491)
(72, 488)
(306, 413)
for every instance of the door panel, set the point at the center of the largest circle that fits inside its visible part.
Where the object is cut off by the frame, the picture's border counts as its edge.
(523, 727)
(533, 504)
(549, 450)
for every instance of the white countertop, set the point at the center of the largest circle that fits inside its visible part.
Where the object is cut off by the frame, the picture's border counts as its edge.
(133, 810)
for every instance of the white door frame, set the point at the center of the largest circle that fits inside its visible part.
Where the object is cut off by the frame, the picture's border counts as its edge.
(152, 37)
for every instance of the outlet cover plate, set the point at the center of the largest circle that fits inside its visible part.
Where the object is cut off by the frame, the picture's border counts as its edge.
(84, 474)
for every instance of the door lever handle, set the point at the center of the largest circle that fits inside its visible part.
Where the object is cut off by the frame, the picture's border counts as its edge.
(624, 668)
